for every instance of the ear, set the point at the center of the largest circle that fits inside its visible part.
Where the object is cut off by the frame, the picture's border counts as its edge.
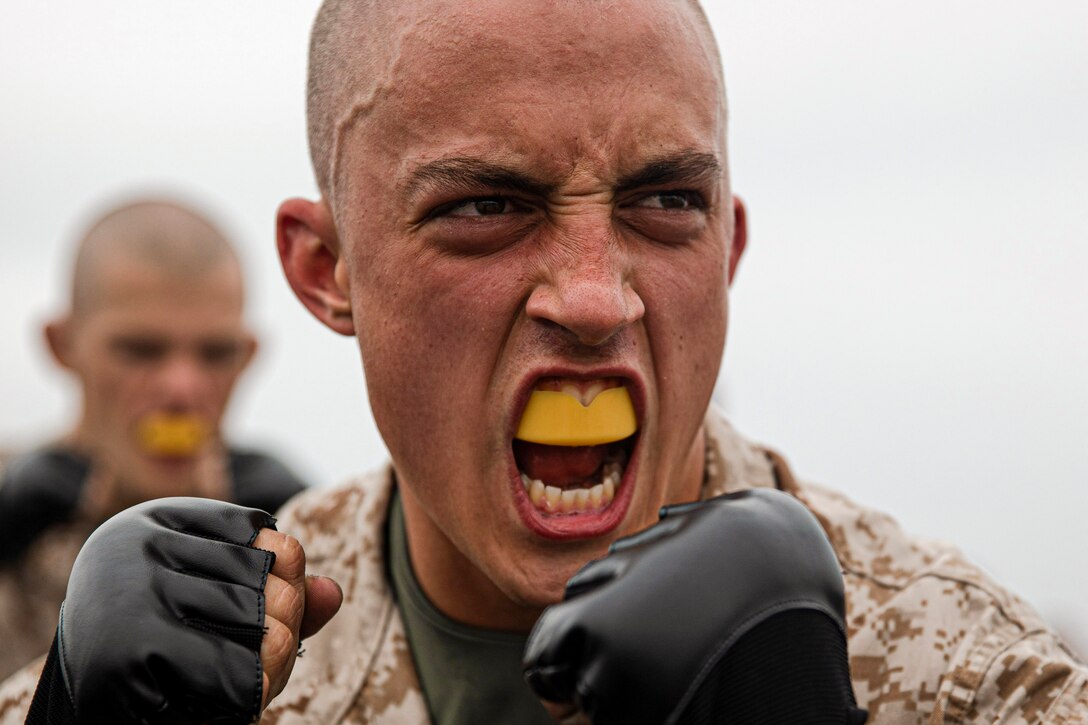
(740, 236)
(58, 338)
(309, 252)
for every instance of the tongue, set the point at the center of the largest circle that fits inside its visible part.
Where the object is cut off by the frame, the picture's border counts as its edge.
(558, 465)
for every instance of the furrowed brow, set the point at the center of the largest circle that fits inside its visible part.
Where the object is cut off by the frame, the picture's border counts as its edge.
(471, 176)
(686, 167)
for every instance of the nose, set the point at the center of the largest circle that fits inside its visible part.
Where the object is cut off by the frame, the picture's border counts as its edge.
(588, 293)
(181, 381)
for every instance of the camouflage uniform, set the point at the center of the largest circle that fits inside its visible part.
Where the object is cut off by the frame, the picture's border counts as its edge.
(932, 639)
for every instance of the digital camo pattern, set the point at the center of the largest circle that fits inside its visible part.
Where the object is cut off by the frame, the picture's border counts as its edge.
(16, 692)
(358, 668)
(932, 639)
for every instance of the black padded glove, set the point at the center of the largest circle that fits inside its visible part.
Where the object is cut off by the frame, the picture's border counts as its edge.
(36, 491)
(164, 617)
(726, 611)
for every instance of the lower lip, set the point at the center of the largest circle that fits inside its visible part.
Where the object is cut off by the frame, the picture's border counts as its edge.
(570, 527)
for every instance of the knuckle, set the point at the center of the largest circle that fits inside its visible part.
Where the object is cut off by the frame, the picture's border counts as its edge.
(291, 556)
(266, 539)
(277, 647)
(282, 601)
(294, 552)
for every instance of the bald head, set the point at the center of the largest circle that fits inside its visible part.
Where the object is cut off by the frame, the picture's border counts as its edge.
(352, 45)
(163, 236)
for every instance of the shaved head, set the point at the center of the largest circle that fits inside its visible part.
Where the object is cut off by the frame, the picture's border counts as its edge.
(162, 235)
(352, 46)
(515, 190)
(155, 331)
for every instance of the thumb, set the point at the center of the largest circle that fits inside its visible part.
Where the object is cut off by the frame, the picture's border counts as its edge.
(323, 599)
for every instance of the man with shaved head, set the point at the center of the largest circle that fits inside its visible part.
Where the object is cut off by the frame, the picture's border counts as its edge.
(154, 336)
(527, 223)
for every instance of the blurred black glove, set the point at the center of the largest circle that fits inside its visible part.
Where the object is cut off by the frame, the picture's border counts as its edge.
(36, 491)
(158, 593)
(726, 611)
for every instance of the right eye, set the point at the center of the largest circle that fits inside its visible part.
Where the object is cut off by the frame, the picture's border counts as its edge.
(482, 206)
(134, 350)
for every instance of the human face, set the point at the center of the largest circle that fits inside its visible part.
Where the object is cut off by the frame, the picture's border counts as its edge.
(537, 198)
(155, 343)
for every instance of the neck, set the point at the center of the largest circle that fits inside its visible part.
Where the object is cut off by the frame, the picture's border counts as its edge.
(115, 484)
(441, 567)
(464, 593)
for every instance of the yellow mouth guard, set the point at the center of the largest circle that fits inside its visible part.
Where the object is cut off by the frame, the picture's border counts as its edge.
(171, 434)
(557, 419)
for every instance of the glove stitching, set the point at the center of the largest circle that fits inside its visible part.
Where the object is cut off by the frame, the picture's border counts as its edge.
(269, 523)
(268, 562)
(235, 633)
(736, 634)
(65, 667)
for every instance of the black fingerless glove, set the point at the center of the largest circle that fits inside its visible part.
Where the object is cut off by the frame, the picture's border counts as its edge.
(726, 611)
(163, 620)
(36, 491)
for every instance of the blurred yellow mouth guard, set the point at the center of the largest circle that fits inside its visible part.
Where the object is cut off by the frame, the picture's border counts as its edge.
(558, 419)
(163, 434)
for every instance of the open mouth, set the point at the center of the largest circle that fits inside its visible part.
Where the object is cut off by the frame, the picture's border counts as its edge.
(573, 445)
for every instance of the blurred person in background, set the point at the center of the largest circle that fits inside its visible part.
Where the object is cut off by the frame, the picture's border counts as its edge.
(155, 337)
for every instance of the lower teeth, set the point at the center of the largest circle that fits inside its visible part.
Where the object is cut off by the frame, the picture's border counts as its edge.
(554, 500)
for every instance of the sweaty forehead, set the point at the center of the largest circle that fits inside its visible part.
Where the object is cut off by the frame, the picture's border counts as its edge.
(524, 74)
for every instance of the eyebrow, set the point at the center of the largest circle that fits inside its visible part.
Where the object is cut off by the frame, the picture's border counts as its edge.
(472, 175)
(692, 167)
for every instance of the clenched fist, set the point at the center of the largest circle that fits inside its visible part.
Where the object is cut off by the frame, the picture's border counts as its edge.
(296, 606)
(182, 610)
(727, 610)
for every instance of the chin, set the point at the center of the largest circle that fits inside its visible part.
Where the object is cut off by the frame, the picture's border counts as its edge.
(168, 477)
(542, 592)
(543, 582)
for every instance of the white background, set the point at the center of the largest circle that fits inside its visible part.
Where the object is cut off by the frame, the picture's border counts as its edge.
(908, 323)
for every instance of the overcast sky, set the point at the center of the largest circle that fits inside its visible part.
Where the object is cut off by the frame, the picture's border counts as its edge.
(908, 322)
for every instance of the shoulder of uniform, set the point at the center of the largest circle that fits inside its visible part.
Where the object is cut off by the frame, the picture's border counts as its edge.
(324, 519)
(923, 619)
(49, 463)
(879, 557)
(868, 542)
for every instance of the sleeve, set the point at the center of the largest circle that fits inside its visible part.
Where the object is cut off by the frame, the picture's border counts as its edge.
(1035, 679)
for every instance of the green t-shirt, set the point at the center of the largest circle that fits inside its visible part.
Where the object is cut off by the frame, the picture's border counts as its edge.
(468, 675)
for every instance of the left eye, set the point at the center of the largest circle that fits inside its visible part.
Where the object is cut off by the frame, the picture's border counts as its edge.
(680, 200)
(485, 206)
(219, 353)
